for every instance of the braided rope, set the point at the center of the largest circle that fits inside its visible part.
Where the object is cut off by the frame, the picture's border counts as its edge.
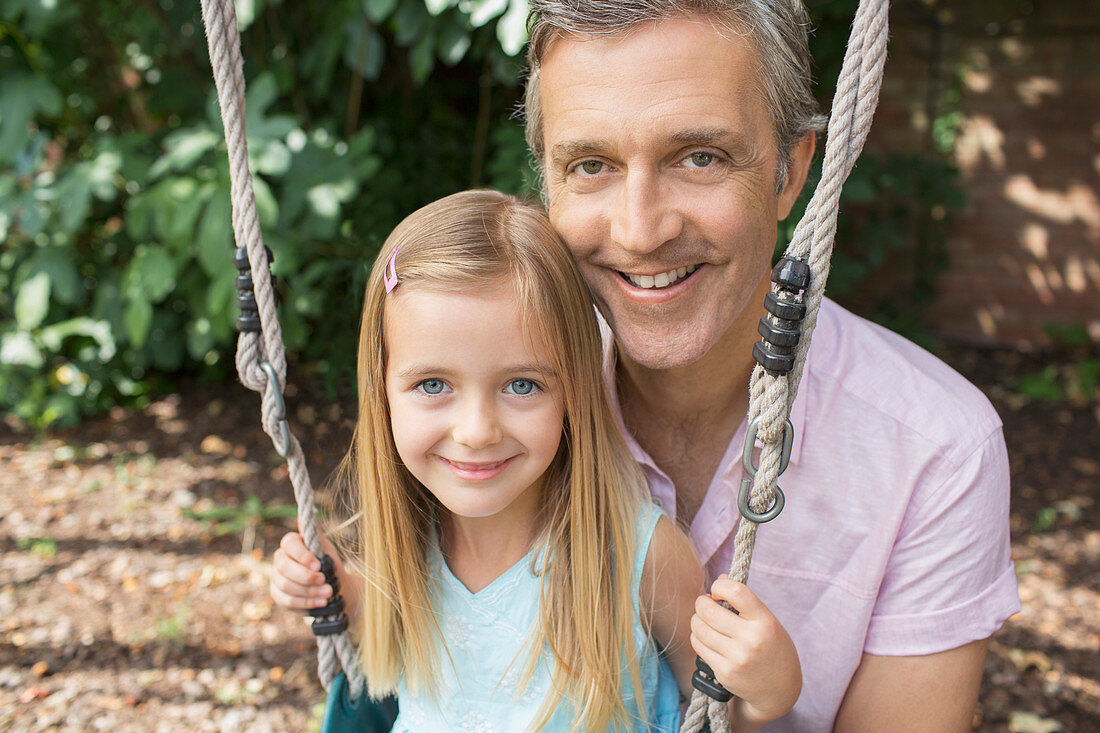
(257, 350)
(771, 397)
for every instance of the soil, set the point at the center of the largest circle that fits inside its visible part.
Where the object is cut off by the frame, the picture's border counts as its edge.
(128, 603)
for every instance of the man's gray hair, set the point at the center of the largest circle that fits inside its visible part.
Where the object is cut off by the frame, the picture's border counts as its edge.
(777, 28)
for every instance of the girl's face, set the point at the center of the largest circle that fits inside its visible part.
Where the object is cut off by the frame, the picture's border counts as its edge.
(475, 409)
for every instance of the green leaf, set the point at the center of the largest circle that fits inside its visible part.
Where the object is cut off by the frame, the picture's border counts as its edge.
(245, 10)
(220, 306)
(262, 93)
(136, 319)
(363, 51)
(200, 338)
(326, 198)
(22, 98)
(59, 266)
(100, 331)
(177, 203)
(151, 275)
(183, 150)
(18, 349)
(215, 235)
(378, 10)
(270, 157)
(267, 209)
(73, 194)
(435, 7)
(485, 10)
(512, 28)
(409, 22)
(32, 301)
(421, 59)
(454, 42)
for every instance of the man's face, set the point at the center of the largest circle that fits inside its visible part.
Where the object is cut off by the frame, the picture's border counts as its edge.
(660, 175)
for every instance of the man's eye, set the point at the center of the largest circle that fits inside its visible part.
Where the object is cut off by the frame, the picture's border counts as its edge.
(701, 160)
(432, 386)
(522, 387)
(590, 167)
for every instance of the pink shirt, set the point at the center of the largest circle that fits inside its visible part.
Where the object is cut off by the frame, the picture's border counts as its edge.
(894, 539)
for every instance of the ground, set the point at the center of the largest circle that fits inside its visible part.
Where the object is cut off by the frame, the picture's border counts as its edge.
(133, 564)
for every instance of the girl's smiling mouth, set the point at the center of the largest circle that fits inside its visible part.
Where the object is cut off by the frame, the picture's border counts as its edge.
(480, 471)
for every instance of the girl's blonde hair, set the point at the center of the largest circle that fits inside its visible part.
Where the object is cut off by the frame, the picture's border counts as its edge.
(466, 242)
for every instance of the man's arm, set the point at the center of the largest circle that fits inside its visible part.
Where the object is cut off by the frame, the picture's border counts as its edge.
(934, 692)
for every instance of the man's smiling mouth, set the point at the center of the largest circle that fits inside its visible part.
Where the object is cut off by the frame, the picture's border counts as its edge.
(660, 280)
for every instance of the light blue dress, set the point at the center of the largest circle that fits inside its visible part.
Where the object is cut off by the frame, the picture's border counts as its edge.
(485, 635)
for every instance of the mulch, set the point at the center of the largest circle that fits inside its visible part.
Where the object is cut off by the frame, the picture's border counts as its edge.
(133, 565)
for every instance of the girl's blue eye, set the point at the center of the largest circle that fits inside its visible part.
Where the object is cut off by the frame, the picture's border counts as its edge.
(432, 386)
(522, 387)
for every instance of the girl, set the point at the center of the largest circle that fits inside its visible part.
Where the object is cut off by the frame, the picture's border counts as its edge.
(509, 570)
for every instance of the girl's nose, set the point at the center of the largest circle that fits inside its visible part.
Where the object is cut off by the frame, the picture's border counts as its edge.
(476, 425)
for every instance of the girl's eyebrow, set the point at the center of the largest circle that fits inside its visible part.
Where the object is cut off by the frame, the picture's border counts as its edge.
(535, 368)
(422, 370)
(428, 370)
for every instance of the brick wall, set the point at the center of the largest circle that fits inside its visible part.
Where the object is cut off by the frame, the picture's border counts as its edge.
(1025, 78)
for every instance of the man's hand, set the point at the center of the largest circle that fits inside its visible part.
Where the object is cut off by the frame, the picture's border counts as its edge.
(296, 580)
(750, 653)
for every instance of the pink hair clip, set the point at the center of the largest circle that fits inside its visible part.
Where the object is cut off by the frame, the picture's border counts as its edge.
(389, 275)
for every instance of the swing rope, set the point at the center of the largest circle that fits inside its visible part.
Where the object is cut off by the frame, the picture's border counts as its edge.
(771, 394)
(261, 357)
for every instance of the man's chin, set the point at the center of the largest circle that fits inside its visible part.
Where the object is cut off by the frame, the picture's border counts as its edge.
(663, 351)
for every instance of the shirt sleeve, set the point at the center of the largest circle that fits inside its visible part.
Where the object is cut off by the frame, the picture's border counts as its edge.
(950, 579)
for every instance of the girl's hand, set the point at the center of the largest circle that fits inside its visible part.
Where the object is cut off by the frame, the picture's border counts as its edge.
(751, 654)
(296, 580)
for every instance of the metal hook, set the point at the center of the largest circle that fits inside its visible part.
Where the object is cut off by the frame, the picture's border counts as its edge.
(282, 443)
(746, 510)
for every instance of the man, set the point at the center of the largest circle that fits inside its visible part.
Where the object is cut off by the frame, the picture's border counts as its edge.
(673, 135)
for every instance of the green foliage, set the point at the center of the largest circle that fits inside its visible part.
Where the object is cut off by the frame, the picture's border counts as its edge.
(223, 520)
(891, 235)
(1076, 380)
(44, 547)
(114, 184)
(115, 270)
(895, 210)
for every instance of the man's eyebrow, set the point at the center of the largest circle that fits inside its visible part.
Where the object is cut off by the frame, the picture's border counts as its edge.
(575, 148)
(737, 145)
(700, 136)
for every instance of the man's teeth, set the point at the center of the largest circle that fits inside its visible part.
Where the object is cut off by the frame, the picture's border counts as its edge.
(661, 280)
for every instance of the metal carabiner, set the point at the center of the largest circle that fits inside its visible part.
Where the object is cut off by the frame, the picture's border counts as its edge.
(745, 490)
(282, 443)
(750, 443)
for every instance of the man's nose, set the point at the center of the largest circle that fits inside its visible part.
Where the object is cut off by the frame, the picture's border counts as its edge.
(644, 217)
(477, 424)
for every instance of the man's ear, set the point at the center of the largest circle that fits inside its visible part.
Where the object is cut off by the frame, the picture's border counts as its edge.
(801, 155)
